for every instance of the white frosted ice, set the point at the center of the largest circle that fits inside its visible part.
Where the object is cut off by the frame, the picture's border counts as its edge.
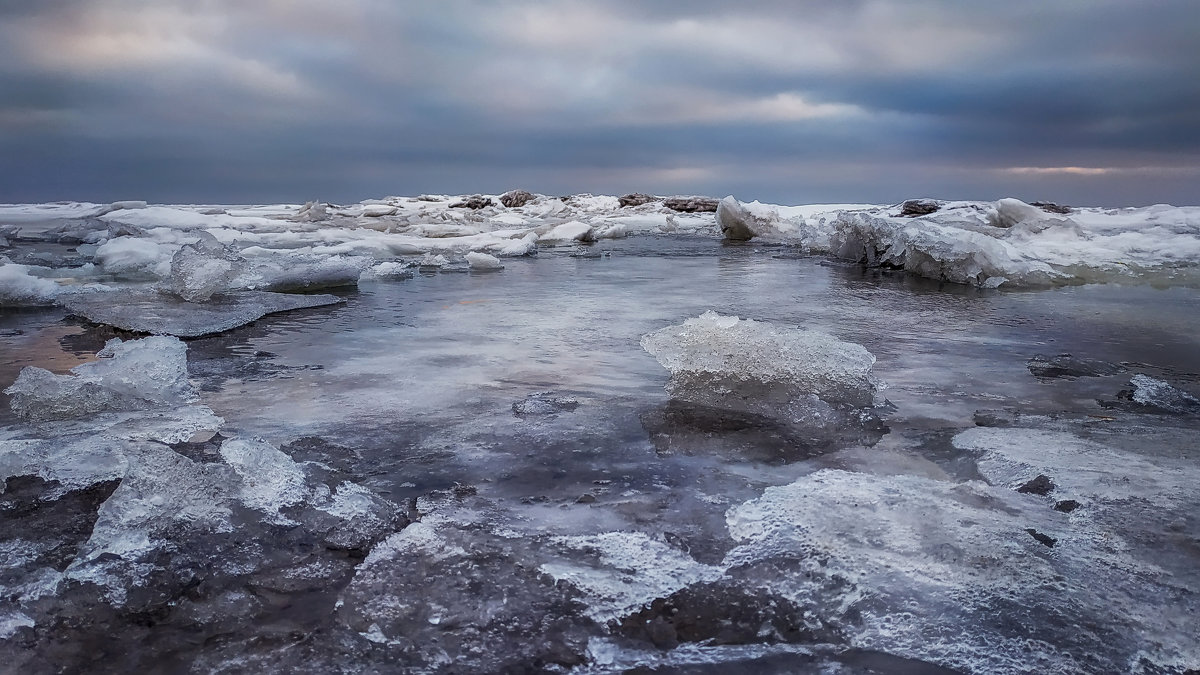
(181, 218)
(377, 210)
(728, 362)
(287, 247)
(135, 257)
(1158, 394)
(483, 261)
(387, 271)
(18, 287)
(167, 314)
(1007, 242)
(568, 232)
(1009, 212)
(1080, 469)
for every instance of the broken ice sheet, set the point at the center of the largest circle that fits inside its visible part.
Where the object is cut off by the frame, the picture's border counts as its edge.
(170, 514)
(954, 574)
(165, 314)
(135, 375)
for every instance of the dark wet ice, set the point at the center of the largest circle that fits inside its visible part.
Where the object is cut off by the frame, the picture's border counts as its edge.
(465, 472)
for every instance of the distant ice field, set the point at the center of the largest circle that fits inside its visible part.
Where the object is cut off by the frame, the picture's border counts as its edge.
(49, 252)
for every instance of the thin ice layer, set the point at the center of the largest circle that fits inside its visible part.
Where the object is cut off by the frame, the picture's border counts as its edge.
(1078, 468)
(630, 569)
(728, 362)
(73, 462)
(165, 314)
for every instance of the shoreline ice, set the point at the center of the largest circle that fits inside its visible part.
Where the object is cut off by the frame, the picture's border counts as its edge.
(50, 252)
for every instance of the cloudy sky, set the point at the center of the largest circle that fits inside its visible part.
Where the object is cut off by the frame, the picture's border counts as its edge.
(1081, 102)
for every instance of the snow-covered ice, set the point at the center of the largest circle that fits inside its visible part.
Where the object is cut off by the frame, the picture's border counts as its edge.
(1004, 243)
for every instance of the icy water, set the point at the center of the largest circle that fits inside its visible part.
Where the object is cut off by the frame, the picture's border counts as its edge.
(558, 511)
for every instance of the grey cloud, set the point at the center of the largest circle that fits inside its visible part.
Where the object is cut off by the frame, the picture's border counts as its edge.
(378, 98)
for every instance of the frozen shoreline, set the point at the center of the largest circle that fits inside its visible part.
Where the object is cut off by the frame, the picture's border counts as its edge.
(49, 252)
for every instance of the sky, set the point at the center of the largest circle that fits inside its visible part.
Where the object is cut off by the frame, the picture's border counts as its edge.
(1091, 102)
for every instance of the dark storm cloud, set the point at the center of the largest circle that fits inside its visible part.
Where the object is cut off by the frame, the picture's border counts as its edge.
(784, 101)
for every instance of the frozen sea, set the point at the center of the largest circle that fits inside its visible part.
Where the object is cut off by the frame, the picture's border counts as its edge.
(567, 455)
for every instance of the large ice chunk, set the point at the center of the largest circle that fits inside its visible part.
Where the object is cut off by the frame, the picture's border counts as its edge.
(135, 375)
(739, 223)
(936, 251)
(299, 272)
(1009, 212)
(568, 232)
(742, 364)
(483, 261)
(202, 269)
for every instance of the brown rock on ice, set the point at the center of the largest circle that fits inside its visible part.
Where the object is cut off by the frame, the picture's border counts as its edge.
(691, 204)
(516, 198)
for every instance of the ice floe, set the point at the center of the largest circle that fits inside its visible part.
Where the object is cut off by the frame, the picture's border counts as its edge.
(164, 314)
(802, 377)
